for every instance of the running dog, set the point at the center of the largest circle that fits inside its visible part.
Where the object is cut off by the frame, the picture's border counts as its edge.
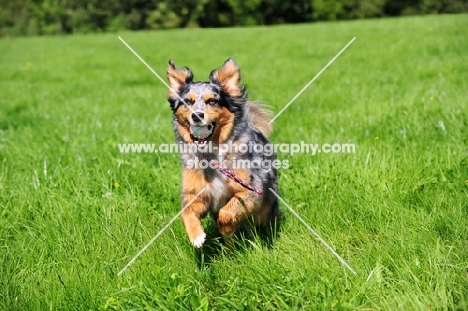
(213, 121)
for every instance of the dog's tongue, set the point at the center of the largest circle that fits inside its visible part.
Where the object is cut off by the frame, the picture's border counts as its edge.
(201, 131)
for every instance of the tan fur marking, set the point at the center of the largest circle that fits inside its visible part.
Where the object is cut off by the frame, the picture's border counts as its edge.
(192, 96)
(207, 97)
(224, 126)
(193, 181)
(228, 77)
(182, 116)
(177, 78)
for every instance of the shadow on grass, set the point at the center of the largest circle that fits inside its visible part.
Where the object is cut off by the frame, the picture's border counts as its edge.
(244, 239)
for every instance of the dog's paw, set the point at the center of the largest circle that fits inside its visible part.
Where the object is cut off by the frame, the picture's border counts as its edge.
(199, 240)
(227, 223)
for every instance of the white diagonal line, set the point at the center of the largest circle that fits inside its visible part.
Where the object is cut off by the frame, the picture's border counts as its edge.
(315, 233)
(160, 79)
(312, 81)
(160, 232)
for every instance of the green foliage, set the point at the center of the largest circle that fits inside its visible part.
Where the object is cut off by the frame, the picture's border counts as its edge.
(326, 9)
(81, 21)
(245, 13)
(118, 23)
(29, 17)
(353, 9)
(163, 17)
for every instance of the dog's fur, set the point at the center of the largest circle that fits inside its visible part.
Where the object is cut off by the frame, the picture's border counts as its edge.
(221, 102)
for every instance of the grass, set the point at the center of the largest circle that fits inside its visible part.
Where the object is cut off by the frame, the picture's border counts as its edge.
(74, 210)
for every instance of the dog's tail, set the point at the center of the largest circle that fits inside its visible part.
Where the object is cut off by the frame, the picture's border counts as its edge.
(259, 117)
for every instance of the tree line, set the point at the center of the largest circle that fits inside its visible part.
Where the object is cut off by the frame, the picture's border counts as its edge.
(38, 17)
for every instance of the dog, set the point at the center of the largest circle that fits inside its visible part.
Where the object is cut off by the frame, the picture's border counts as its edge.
(207, 117)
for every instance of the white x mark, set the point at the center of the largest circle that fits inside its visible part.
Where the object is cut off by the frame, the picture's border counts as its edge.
(198, 194)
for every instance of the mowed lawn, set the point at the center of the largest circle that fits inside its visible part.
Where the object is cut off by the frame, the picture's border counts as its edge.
(74, 210)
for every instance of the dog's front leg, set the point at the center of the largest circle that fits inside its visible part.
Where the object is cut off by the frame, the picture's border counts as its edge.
(240, 207)
(192, 184)
(191, 217)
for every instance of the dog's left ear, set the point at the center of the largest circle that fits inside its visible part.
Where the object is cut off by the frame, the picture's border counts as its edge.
(177, 77)
(228, 77)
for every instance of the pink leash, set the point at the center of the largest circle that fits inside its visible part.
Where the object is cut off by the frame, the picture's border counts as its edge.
(230, 174)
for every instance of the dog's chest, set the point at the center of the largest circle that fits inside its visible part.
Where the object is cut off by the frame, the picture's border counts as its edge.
(219, 191)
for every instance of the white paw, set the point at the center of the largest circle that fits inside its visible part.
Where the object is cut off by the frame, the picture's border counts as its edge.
(199, 240)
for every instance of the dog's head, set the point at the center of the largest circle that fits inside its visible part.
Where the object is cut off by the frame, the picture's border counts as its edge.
(205, 111)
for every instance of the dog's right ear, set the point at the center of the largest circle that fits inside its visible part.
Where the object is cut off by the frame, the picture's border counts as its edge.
(228, 77)
(177, 78)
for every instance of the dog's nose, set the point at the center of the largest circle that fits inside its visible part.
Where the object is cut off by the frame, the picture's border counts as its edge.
(198, 116)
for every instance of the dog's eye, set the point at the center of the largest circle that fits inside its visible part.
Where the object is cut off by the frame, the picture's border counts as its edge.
(189, 101)
(212, 101)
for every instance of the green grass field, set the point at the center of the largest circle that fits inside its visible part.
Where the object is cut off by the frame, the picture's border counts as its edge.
(74, 210)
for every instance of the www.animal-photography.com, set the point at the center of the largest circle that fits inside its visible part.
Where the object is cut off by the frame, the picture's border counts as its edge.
(233, 155)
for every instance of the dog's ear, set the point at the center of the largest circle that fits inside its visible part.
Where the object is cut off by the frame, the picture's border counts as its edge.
(228, 77)
(177, 77)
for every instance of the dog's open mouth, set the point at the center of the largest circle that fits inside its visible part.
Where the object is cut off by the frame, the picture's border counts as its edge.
(201, 134)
